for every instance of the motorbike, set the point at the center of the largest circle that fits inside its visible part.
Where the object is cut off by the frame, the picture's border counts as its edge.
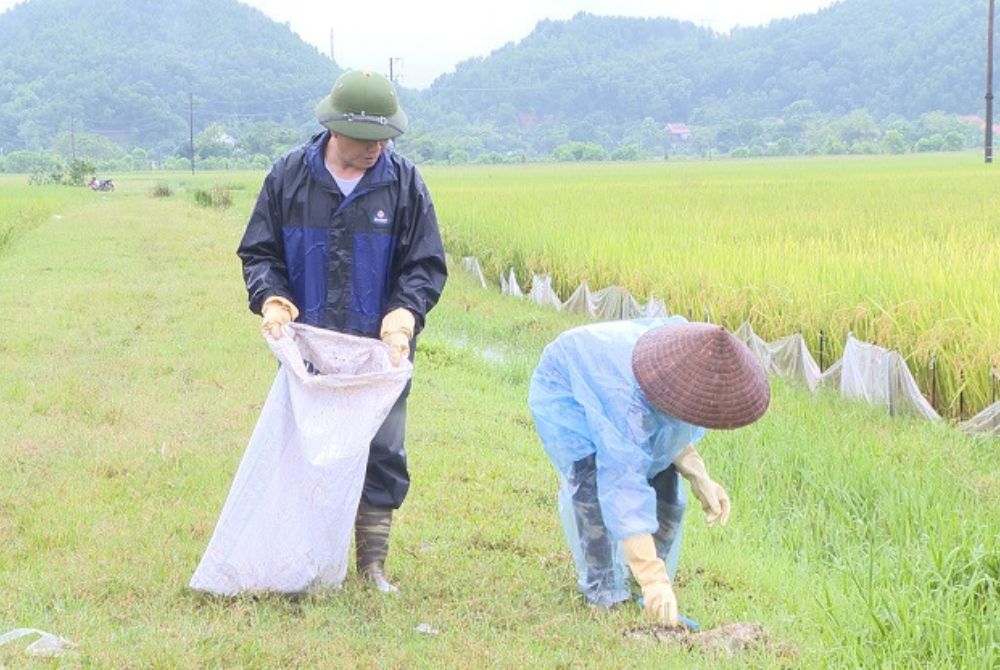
(101, 184)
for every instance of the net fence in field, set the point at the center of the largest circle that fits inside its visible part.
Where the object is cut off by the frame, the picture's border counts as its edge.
(865, 371)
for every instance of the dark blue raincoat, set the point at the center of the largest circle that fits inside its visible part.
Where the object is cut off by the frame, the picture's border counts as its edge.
(346, 262)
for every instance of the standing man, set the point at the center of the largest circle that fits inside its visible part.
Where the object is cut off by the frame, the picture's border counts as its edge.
(619, 406)
(344, 236)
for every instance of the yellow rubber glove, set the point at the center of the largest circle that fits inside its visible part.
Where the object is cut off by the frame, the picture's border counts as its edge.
(658, 597)
(276, 312)
(714, 500)
(397, 331)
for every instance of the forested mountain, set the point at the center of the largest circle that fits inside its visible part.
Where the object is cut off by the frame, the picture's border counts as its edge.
(860, 75)
(598, 78)
(134, 70)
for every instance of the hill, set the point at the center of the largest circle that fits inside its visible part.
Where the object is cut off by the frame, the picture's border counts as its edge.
(860, 75)
(902, 57)
(134, 71)
(598, 78)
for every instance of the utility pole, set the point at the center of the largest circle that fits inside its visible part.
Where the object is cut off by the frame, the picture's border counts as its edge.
(989, 88)
(395, 73)
(191, 128)
(72, 137)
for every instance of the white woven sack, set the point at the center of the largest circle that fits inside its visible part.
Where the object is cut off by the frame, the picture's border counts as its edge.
(286, 524)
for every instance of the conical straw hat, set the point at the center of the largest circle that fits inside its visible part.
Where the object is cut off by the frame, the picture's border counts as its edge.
(701, 374)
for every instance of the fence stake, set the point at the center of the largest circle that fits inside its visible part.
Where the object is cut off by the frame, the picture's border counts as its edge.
(933, 367)
(822, 339)
(961, 395)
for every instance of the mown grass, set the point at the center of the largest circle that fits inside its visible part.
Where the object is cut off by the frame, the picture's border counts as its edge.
(133, 375)
(901, 251)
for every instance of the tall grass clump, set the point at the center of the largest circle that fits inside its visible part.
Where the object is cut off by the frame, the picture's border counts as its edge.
(902, 252)
(161, 190)
(218, 196)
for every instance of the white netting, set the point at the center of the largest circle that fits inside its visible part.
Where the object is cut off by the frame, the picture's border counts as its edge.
(542, 292)
(880, 377)
(787, 357)
(865, 371)
(509, 285)
(471, 265)
(986, 422)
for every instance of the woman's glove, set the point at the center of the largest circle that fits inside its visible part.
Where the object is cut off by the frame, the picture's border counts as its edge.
(397, 331)
(658, 597)
(714, 500)
(276, 312)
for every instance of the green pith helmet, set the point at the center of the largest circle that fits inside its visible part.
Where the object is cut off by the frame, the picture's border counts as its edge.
(362, 105)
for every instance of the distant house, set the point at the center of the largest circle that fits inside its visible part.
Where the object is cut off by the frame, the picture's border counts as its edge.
(678, 132)
(975, 120)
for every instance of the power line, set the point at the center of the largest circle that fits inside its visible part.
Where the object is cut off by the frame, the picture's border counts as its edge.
(395, 70)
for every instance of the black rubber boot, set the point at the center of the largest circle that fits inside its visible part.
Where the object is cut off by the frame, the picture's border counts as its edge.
(371, 540)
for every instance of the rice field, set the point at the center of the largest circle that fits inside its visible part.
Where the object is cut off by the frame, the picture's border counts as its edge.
(901, 251)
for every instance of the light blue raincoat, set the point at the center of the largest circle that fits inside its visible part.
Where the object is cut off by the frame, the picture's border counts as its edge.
(596, 424)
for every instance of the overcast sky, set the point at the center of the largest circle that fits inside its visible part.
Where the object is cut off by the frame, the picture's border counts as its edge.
(432, 36)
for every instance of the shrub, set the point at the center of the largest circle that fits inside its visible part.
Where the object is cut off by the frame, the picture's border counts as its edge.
(80, 171)
(221, 197)
(218, 197)
(162, 190)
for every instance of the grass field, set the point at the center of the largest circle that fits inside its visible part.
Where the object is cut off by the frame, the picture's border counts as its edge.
(132, 375)
(23, 208)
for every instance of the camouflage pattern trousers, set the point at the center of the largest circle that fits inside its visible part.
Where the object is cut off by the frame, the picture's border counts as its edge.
(600, 565)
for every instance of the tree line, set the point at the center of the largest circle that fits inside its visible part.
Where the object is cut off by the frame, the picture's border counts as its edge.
(131, 84)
